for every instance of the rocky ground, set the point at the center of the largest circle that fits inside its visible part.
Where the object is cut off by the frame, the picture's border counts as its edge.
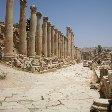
(65, 90)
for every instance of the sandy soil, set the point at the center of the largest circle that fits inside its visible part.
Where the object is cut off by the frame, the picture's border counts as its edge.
(65, 90)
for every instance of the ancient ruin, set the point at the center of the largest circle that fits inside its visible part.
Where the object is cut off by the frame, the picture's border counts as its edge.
(42, 45)
(42, 69)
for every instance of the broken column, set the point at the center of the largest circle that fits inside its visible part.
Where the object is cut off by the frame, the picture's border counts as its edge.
(32, 31)
(39, 34)
(49, 39)
(22, 28)
(44, 40)
(52, 40)
(8, 51)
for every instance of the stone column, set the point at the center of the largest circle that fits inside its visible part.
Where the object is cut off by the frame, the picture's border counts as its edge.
(69, 41)
(22, 28)
(63, 46)
(44, 40)
(8, 51)
(59, 44)
(39, 35)
(32, 31)
(52, 40)
(49, 39)
(56, 42)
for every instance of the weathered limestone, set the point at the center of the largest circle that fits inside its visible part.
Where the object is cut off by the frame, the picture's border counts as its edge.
(59, 44)
(49, 39)
(8, 52)
(63, 45)
(56, 42)
(69, 41)
(72, 45)
(44, 40)
(32, 31)
(22, 28)
(39, 34)
(52, 40)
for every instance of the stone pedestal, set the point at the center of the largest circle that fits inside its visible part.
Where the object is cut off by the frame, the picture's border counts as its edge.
(44, 40)
(22, 28)
(39, 34)
(32, 31)
(52, 40)
(49, 39)
(8, 51)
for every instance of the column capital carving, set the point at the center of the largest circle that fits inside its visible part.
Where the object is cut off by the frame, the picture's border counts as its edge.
(48, 24)
(39, 14)
(59, 32)
(33, 8)
(68, 28)
(23, 2)
(45, 19)
(52, 26)
(56, 30)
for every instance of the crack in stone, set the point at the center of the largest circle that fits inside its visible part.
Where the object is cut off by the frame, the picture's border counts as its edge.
(60, 103)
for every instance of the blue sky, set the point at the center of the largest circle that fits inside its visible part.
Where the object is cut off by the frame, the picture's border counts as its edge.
(91, 20)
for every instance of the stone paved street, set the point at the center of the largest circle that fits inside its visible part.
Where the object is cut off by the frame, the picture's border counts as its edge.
(65, 90)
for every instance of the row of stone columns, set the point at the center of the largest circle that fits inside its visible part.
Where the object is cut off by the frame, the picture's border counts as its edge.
(44, 39)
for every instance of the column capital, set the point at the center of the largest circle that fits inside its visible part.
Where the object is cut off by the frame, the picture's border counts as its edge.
(59, 32)
(23, 2)
(45, 19)
(33, 8)
(56, 30)
(68, 28)
(52, 26)
(48, 24)
(39, 14)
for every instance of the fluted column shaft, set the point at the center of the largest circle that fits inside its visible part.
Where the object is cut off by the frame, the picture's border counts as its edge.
(52, 40)
(62, 45)
(56, 42)
(22, 28)
(49, 39)
(44, 40)
(39, 34)
(32, 31)
(59, 44)
(69, 41)
(8, 52)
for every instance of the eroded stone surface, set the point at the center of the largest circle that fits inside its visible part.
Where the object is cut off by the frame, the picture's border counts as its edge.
(66, 90)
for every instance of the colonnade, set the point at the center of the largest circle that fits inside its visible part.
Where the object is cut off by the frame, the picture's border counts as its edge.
(44, 39)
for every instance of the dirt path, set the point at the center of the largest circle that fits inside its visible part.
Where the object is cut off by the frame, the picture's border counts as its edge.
(65, 90)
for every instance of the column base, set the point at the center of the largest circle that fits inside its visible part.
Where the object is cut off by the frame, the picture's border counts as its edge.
(8, 57)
